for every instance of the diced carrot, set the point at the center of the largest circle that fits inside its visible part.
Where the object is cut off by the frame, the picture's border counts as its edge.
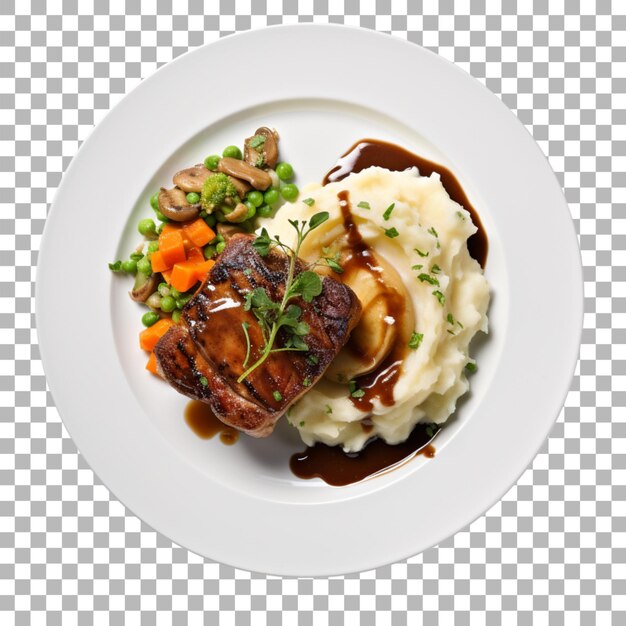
(169, 227)
(158, 264)
(184, 276)
(199, 232)
(149, 337)
(202, 269)
(151, 365)
(167, 276)
(195, 255)
(171, 247)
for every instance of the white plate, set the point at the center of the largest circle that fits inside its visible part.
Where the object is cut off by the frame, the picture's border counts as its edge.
(323, 87)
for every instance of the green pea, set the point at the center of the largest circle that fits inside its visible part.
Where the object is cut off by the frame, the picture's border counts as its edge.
(255, 198)
(219, 248)
(290, 192)
(154, 201)
(144, 266)
(251, 211)
(232, 152)
(264, 211)
(174, 293)
(149, 318)
(211, 162)
(271, 196)
(216, 239)
(210, 220)
(153, 246)
(193, 197)
(147, 227)
(284, 171)
(130, 266)
(176, 316)
(154, 301)
(160, 216)
(164, 289)
(182, 301)
(168, 304)
(160, 228)
(209, 252)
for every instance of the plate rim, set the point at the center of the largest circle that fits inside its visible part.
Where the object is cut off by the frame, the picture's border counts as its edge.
(42, 270)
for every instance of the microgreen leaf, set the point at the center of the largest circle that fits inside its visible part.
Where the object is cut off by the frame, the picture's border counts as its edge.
(391, 232)
(307, 285)
(318, 219)
(309, 201)
(364, 205)
(334, 266)
(115, 267)
(262, 243)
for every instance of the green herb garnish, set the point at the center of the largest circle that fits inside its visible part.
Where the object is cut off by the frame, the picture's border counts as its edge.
(355, 392)
(435, 269)
(302, 423)
(416, 267)
(116, 266)
(364, 205)
(309, 201)
(391, 232)
(440, 297)
(415, 341)
(422, 254)
(274, 316)
(431, 280)
(433, 232)
(312, 359)
(306, 382)
(332, 263)
(203, 381)
(388, 211)
(471, 367)
(329, 409)
(277, 396)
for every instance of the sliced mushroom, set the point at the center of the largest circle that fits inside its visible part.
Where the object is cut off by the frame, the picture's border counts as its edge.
(240, 169)
(192, 178)
(238, 214)
(262, 152)
(173, 204)
(144, 286)
(228, 230)
(241, 186)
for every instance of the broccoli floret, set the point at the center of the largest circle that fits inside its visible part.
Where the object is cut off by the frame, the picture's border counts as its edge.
(216, 190)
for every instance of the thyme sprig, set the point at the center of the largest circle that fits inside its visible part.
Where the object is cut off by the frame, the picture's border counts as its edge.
(274, 316)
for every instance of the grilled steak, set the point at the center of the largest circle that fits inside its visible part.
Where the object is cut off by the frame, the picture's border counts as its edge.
(203, 356)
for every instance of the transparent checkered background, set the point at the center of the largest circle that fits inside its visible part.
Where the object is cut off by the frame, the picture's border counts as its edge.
(553, 551)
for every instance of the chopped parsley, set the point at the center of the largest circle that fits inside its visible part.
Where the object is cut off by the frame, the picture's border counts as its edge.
(277, 396)
(329, 409)
(364, 205)
(309, 201)
(334, 266)
(460, 215)
(415, 341)
(392, 233)
(247, 271)
(355, 392)
(422, 254)
(432, 430)
(431, 280)
(433, 232)
(203, 381)
(440, 297)
(452, 321)
(435, 269)
(416, 267)
(306, 382)
(312, 359)
(388, 211)
(470, 366)
(302, 423)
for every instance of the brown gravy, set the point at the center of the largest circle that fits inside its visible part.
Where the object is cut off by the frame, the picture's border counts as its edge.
(368, 152)
(379, 383)
(334, 466)
(203, 422)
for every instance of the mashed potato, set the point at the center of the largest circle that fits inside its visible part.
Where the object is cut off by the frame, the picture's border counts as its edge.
(448, 293)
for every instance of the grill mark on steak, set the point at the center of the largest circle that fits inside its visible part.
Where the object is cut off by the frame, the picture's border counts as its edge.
(210, 342)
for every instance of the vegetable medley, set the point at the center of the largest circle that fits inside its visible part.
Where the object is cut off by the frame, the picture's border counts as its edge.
(208, 204)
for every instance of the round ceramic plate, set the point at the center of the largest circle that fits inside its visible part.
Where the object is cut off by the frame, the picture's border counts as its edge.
(330, 87)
